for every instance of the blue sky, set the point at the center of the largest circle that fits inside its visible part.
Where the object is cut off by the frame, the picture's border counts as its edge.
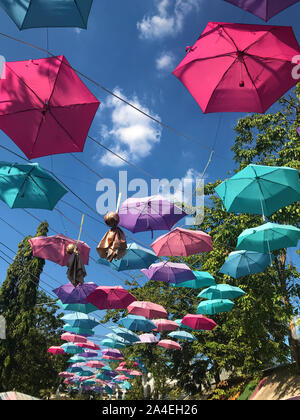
(131, 47)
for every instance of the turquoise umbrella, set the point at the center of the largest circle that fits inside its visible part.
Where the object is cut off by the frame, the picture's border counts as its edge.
(28, 186)
(126, 385)
(137, 323)
(268, 237)
(85, 373)
(78, 330)
(221, 291)
(71, 348)
(203, 279)
(118, 338)
(85, 308)
(76, 359)
(214, 306)
(260, 189)
(126, 334)
(89, 382)
(182, 335)
(243, 263)
(136, 258)
(103, 376)
(106, 368)
(80, 320)
(112, 344)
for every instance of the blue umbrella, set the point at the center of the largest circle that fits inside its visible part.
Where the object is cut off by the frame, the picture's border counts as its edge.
(112, 344)
(126, 334)
(214, 306)
(137, 323)
(80, 320)
(203, 279)
(182, 335)
(118, 338)
(221, 291)
(136, 258)
(48, 13)
(243, 263)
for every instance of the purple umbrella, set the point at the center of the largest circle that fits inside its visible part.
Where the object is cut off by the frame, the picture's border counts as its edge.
(149, 213)
(169, 272)
(88, 354)
(112, 353)
(70, 294)
(298, 130)
(264, 9)
(148, 338)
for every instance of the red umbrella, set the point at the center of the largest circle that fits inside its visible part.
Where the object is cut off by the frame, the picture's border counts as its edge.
(73, 338)
(111, 297)
(165, 325)
(182, 243)
(89, 345)
(239, 68)
(198, 322)
(45, 108)
(56, 350)
(169, 344)
(147, 309)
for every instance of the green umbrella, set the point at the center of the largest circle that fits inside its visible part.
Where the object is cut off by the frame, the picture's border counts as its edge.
(214, 306)
(203, 279)
(221, 291)
(268, 237)
(260, 189)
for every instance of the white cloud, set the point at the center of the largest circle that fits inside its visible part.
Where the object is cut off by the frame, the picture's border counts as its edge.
(169, 19)
(130, 134)
(165, 62)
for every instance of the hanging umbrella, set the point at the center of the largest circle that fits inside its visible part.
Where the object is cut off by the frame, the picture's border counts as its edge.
(169, 344)
(89, 345)
(48, 13)
(169, 272)
(182, 243)
(137, 323)
(70, 294)
(118, 339)
(134, 373)
(45, 107)
(126, 334)
(112, 353)
(56, 350)
(259, 189)
(149, 213)
(85, 308)
(73, 338)
(54, 248)
(182, 335)
(221, 291)
(136, 257)
(129, 363)
(147, 309)
(165, 325)
(147, 339)
(268, 237)
(178, 321)
(108, 342)
(95, 364)
(239, 67)
(78, 330)
(66, 374)
(111, 297)
(76, 359)
(28, 186)
(243, 263)
(106, 368)
(202, 279)
(214, 306)
(71, 348)
(78, 319)
(264, 9)
(198, 322)
(88, 354)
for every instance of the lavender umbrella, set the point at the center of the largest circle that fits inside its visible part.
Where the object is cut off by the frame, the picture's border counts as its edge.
(264, 9)
(70, 294)
(148, 338)
(88, 354)
(169, 272)
(149, 213)
(112, 353)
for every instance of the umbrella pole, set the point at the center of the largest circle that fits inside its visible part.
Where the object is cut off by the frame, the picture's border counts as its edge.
(80, 231)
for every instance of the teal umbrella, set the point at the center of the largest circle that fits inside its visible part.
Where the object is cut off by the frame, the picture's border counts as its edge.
(126, 385)
(182, 335)
(80, 320)
(126, 334)
(112, 344)
(103, 376)
(28, 186)
(85, 308)
(268, 237)
(221, 291)
(76, 359)
(214, 306)
(203, 279)
(89, 382)
(118, 338)
(85, 373)
(78, 330)
(71, 348)
(260, 189)
(137, 323)
(243, 263)
(106, 368)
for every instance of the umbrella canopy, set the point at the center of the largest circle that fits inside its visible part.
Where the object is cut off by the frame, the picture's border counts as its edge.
(198, 322)
(118, 339)
(76, 359)
(95, 364)
(48, 13)
(71, 348)
(243, 263)
(16, 396)
(56, 350)
(136, 257)
(54, 248)
(182, 335)
(179, 322)
(112, 353)
(108, 342)
(126, 334)
(78, 330)
(165, 325)
(66, 374)
(28, 186)
(214, 306)
(70, 294)
(149, 213)
(264, 9)
(221, 291)
(50, 110)
(202, 279)
(147, 309)
(182, 243)
(259, 189)
(85, 308)
(89, 345)
(231, 67)
(169, 272)
(88, 354)
(74, 338)
(147, 339)
(268, 237)
(137, 323)
(111, 297)
(169, 344)
(78, 319)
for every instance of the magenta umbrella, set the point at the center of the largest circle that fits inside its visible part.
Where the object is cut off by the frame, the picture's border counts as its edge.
(56, 350)
(147, 338)
(54, 248)
(165, 325)
(239, 68)
(264, 9)
(169, 344)
(198, 322)
(70, 294)
(45, 108)
(147, 309)
(182, 243)
(169, 272)
(111, 297)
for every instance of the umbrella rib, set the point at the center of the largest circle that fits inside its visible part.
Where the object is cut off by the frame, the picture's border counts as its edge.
(79, 11)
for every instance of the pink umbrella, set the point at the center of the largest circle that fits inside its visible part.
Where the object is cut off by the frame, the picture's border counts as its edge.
(182, 243)
(111, 297)
(134, 373)
(45, 107)
(66, 374)
(239, 68)
(147, 309)
(54, 248)
(73, 338)
(147, 338)
(198, 322)
(134, 364)
(165, 325)
(89, 345)
(105, 356)
(56, 350)
(169, 344)
(122, 378)
(95, 364)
